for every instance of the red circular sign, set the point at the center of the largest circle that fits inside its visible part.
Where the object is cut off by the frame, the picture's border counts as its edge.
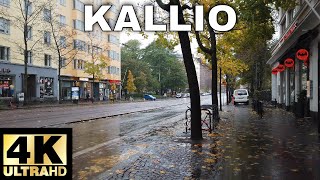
(274, 71)
(281, 68)
(303, 54)
(289, 63)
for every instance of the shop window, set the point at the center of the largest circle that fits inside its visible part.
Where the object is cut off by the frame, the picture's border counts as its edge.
(7, 88)
(47, 60)
(46, 87)
(4, 53)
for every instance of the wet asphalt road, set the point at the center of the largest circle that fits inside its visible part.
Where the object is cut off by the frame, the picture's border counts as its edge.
(152, 145)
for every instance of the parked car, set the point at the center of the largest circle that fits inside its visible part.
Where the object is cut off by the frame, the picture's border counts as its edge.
(149, 97)
(179, 95)
(241, 96)
(185, 95)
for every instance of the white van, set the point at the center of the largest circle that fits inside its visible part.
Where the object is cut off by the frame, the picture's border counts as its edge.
(241, 96)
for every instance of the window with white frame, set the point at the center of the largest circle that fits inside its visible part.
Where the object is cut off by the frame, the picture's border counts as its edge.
(5, 3)
(47, 60)
(29, 34)
(113, 39)
(79, 45)
(47, 37)
(4, 53)
(112, 23)
(63, 62)
(63, 42)
(29, 53)
(78, 5)
(79, 25)
(113, 55)
(63, 20)
(113, 70)
(47, 14)
(28, 7)
(4, 26)
(78, 64)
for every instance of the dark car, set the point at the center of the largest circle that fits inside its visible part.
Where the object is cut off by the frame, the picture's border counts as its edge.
(149, 97)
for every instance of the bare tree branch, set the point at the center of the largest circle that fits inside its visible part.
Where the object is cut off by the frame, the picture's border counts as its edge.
(164, 6)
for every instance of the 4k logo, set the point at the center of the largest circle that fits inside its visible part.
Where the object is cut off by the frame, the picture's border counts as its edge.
(36, 153)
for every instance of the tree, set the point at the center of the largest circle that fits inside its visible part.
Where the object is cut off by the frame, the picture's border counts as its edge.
(96, 67)
(63, 42)
(130, 83)
(196, 129)
(26, 17)
(141, 82)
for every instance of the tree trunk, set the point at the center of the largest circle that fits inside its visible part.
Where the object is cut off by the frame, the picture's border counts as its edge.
(220, 90)
(59, 79)
(25, 77)
(196, 129)
(214, 85)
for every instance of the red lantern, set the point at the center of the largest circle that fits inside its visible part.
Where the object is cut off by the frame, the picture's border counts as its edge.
(274, 71)
(289, 63)
(281, 68)
(303, 54)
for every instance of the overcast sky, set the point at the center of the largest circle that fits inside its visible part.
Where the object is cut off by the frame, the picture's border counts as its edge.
(134, 35)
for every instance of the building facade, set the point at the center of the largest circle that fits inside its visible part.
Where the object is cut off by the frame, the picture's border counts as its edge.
(295, 60)
(52, 26)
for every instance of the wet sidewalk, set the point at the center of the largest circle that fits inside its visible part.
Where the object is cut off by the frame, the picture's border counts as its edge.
(243, 147)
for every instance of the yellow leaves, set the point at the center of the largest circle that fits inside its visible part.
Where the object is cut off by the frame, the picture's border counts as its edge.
(210, 161)
(162, 172)
(119, 171)
(130, 83)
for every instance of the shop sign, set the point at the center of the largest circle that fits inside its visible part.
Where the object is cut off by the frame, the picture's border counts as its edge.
(290, 32)
(281, 68)
(5, 71)
(289, 63)
(302, 54)
(84, 79)
(75, 93)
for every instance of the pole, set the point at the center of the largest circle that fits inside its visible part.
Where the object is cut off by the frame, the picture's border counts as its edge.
(220, 89)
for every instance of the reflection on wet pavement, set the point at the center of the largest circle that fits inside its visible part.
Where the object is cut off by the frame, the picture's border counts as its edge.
(153, 146)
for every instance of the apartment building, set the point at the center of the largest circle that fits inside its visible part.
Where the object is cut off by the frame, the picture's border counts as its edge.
(295, 60)
(77, 48)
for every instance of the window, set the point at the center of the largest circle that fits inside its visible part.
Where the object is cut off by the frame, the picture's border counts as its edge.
(63, 62)
(113, 55)
(112, 23)
(113, 70)
(113, 8)
(62, 2)
(29, 57)
(4, 26)
(113, 39)
(47, 37)
(78, 64)
(47, 15)
(79, 45)
(96, 50)
(63, 42)
(78, 5)
(28, 7)
(47, 60)
(5, 3)
(62, 20)
(4, 53)
(79, 25)
(29, 34)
